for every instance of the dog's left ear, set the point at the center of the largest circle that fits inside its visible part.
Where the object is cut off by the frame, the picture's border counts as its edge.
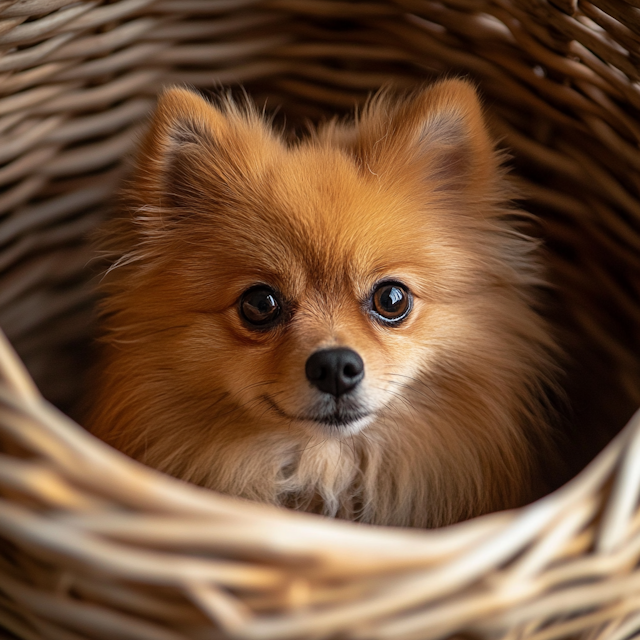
(438, 132)
(196, 154)
(184, 135)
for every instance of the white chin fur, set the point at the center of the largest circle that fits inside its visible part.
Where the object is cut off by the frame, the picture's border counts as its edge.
(350, 429)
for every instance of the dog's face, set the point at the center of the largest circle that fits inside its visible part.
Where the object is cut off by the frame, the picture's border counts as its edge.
(313, 303)
(364, 285)
(313, 285)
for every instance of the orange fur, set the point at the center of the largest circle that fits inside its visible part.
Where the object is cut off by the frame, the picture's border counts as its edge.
(412, 190)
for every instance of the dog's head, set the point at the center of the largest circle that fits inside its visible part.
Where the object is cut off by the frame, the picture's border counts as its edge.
(360, 281)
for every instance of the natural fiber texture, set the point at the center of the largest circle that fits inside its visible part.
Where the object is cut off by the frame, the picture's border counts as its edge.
(93, 545)
(96, 544)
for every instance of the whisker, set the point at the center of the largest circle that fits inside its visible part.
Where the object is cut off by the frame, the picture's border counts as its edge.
(395, 395)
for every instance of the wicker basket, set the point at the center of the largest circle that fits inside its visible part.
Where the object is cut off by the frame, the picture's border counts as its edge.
(92, 544)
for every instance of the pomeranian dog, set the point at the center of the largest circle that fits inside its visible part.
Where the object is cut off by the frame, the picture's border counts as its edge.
(345, 325)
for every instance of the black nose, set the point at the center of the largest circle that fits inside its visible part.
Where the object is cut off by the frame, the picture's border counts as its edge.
(335, 371)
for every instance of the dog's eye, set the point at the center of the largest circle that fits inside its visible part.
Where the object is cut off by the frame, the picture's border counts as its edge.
(391, 301)
(260, 307)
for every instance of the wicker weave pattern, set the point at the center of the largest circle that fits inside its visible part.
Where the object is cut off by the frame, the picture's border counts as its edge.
(111, 549)
(94, 546)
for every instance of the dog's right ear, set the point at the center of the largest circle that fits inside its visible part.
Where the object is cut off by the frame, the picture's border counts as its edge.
(182, 150)
(438, 133)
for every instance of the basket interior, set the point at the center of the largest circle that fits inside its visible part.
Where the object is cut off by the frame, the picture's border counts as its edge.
(561, 82)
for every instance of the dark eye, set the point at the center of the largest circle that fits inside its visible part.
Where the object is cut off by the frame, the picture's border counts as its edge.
(391, 301)
(260, 306)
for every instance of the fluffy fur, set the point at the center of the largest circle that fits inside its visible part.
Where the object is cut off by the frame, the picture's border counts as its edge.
(413, 191)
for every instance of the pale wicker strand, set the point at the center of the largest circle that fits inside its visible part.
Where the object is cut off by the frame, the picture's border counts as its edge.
(623, 503)
(14, 374)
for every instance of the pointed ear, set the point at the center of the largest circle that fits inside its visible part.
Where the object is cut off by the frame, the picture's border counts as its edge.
(438, 132)
(182, 150)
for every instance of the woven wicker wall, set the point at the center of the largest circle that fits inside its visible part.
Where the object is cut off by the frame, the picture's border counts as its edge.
(561, 80)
